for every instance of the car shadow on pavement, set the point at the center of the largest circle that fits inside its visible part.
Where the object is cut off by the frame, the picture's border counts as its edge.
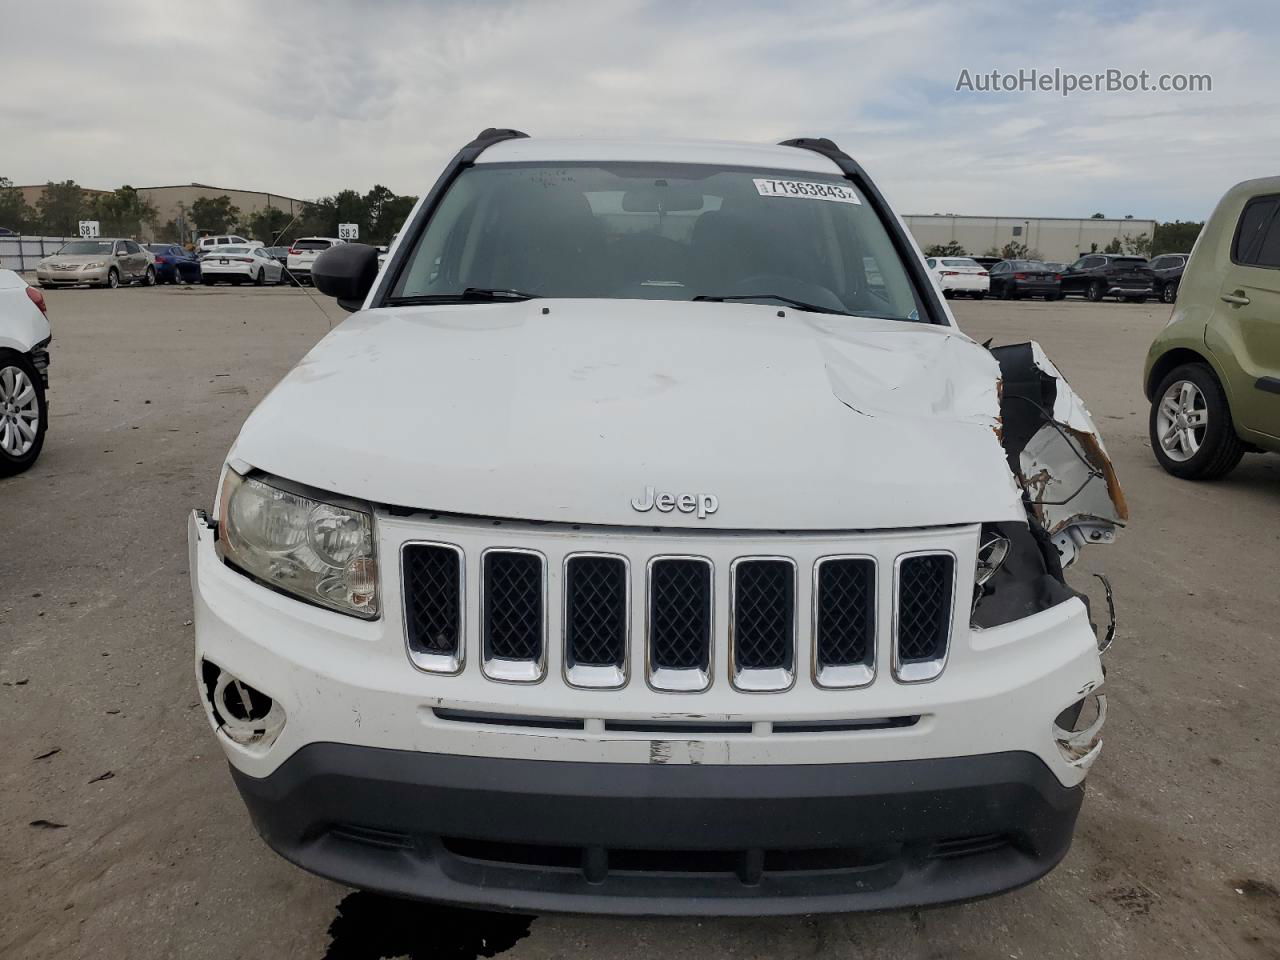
(371, 927)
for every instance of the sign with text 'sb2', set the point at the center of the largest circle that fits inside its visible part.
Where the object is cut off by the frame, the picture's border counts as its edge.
(88, 228)
(348, 231)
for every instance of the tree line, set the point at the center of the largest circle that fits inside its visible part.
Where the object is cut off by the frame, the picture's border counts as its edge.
(122, 212)
(63, 205)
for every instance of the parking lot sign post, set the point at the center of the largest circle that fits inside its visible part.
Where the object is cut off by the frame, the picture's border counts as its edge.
(348, 231)
(88, 228)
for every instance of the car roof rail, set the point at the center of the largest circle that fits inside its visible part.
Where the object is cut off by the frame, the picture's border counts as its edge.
(485, 139)
(827, 147)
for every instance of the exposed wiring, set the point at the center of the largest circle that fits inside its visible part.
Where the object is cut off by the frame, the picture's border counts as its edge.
(1094, 472)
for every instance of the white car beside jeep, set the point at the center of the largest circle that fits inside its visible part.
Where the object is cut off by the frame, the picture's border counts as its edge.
(303, 253)
(651, 541)
(24, 373)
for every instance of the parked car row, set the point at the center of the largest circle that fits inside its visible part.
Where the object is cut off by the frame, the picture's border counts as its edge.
(1093, 276)
(112, 262)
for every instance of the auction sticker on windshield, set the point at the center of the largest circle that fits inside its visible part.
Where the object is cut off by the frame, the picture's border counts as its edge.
(806, 190)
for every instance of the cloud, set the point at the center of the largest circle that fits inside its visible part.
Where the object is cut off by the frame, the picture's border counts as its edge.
(305, 99)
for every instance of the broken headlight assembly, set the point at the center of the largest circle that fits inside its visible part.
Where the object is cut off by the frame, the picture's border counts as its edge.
(317, 551)
(1016, 575)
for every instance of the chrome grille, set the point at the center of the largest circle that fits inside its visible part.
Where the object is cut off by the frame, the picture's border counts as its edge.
(432, 585)
(679, 622)
(924, 593)
(513, 619)
(596, 619)
(763, 598)
(844, 620)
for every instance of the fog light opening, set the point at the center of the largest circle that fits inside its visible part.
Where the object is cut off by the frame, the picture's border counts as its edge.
(1077, 730)
(246, 715)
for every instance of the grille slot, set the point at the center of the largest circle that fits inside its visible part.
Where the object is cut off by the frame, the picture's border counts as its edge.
(763, 638)
(924, 595)
(513, 618)
(844, 621)
(596, 619)
(679, 622)
(432, 576)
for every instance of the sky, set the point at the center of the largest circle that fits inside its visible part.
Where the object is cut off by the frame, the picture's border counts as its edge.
(305, 99)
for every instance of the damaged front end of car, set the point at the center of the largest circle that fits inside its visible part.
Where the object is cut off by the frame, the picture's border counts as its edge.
(1072, 498)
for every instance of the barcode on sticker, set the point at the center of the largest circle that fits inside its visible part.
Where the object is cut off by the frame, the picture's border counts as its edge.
(806, 190)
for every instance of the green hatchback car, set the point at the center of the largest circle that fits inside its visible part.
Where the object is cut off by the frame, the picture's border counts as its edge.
(1213, 374)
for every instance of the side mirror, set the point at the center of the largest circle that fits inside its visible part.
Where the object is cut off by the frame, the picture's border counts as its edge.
(346, 272)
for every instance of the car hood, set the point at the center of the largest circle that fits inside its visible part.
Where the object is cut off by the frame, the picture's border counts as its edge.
(77, 258)
(566, 410)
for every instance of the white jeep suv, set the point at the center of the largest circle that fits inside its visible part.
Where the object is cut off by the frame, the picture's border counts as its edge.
(650, 540)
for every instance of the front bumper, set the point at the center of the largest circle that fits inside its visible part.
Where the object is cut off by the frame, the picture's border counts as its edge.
(378, 774)
(71, 277)
(701, 840)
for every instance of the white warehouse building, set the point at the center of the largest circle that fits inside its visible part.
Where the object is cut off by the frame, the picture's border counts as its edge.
(1053, 238)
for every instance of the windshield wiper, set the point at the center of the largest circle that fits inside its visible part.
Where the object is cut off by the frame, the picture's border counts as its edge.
(469, 295)
(790, 301)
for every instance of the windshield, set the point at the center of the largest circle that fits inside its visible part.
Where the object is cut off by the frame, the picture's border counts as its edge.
(312, 245)
(1027, 265)
(82, 247)
(960, 262)
(661, 232)
(223, 250)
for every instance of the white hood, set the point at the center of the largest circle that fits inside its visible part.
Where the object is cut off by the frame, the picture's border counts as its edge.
(795, 422)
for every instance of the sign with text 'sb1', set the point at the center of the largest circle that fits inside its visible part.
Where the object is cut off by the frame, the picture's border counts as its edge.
(88, 228)
(348, 231)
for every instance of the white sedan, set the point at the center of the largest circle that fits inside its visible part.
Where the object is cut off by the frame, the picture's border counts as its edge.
(960, 275)
(238, 265)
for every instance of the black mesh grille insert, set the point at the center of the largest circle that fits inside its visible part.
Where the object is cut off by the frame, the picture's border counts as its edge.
(595, 611)
(764, 615)
(680, 614)
(433, 598)
(512, 616)
(924, 607)
(846, 611)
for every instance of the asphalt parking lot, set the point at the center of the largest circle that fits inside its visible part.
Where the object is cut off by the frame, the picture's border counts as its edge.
(125, 836)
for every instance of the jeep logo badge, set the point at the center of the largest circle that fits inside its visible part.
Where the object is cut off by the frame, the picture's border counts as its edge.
(704, 504)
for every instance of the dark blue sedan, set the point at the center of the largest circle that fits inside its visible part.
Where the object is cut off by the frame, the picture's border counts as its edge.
(174, 264)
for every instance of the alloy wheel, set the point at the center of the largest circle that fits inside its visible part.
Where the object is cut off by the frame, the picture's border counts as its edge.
(1181, 420)
(19, 412)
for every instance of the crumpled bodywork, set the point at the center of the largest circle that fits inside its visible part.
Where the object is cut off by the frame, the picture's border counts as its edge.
(1055, 452)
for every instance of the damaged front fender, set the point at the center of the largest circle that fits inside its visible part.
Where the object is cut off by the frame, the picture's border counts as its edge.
(1054, 451)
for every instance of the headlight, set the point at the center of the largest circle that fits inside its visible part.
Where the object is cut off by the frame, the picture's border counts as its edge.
(93, 266)
(1016, 575)
(319, 552)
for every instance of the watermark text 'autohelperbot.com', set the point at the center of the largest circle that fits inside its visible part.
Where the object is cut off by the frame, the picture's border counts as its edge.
(1065, 83)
